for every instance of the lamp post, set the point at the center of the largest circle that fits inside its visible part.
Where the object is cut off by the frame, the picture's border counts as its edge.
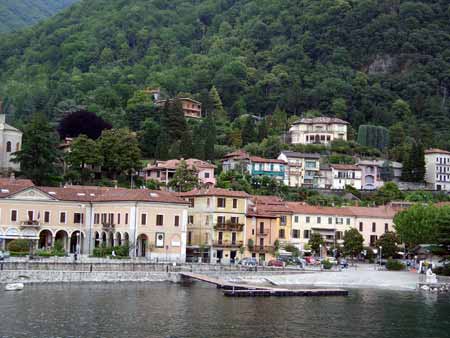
(320, 251)
(381, 248)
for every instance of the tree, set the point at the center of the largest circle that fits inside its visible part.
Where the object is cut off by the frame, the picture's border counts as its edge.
(386, 171)
(82, 122)
(417, 225)
(210, 137)
(387, 193)
(184, 179)
(39, 157)
(148, 138)
(388, 241)
(373, 136)
(83, 152)
(219, 112)
(248, 133)
(414, 164)
(139, 107)
(120, 151)
(443, 229)
(315, 241)
(353, 242)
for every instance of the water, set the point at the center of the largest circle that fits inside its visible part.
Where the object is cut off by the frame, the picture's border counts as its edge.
(169, 310)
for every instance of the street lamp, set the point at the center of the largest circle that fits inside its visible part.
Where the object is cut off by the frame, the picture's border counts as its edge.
(320, 251)
(381, 248)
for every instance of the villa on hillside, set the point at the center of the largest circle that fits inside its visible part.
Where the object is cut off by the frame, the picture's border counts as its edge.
(372, 172)
(163, 171)
(10, 142)
(318, 130)
(254, 165)
(302, 170)
(191, 108)
(437, 165)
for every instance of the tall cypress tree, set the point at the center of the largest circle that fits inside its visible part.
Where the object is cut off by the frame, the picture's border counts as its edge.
(176, 122)
(210, 137)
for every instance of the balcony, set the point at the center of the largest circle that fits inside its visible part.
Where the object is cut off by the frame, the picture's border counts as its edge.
(229, 244)
(263, 233)
(30, 224)
(108, 226)
(229, 227)
(262, 249)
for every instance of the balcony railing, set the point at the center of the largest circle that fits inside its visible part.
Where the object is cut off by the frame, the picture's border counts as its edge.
(30, 224)
(229, 227)
(265, 248)
(262, 233)
(229, 244)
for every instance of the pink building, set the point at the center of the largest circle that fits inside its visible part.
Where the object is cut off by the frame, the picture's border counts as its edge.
(163, 171)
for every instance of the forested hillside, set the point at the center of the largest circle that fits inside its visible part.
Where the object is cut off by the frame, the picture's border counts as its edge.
(17, 14)
(383, 62)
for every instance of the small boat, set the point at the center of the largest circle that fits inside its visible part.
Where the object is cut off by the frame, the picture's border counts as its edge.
(14, 287)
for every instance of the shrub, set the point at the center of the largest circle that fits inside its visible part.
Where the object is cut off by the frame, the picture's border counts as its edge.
(327, 264)
(44, 253)
(442, 270)
(58, 249)
(18, 254)
(19, 246)
(394, 265)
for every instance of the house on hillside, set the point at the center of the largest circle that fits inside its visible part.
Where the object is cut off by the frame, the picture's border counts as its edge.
(372, 172)
(345, 174)
(302, 170)
(318, 130)
(10, 142)
(437, 165)
(191, 108)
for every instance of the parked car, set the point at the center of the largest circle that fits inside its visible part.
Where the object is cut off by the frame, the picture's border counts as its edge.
(310, 260)
(276, 262)
(248, 261)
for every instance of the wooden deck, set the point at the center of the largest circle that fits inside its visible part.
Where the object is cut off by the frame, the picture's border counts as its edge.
(247, 290)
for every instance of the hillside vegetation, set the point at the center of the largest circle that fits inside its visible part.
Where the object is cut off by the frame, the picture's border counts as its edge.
(382, 62)
(17, 14)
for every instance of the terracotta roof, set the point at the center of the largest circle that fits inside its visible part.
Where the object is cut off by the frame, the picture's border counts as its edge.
(173, 164)
(375, 212)
(265, 160)
(10, 186)
(237, 154)
(267, 199)
(301, 155)
(322, 119)
(214, 192)
(107, 194)
(345, 167)
(437, 151)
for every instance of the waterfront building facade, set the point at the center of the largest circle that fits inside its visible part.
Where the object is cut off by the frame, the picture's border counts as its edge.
(437, 169)
(163, 171)
(302, 170)
(318, 130)
(216, 224)
(151, 223)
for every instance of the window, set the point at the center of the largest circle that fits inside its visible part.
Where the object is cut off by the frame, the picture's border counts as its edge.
(30, 215)
(126, 218)
(281, 233)
(235, 220)
(339, 220)
(386, 227)
(8, 147)
(62, 217)
(96, 218)
(177, 221)
(191, 219)
(295, 233)
(283, 220)
(374, 227)
(143, 219)
(13, 215)
(307, 219)
(220, 219)
(77, 218)
(159, 220)
(306, 234)
(46, 216)
(104, 218)
(111, 218)
(191, 202)
(330, 220)
(348, 221)
(189, 238)
(253, 231)
(221, 202)
(296, 219)
(206, 175)
(338, 235)
(373, 239)
(361, 227)
(235, 203)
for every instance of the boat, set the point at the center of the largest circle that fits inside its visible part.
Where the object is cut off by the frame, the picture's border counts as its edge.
(14, 287)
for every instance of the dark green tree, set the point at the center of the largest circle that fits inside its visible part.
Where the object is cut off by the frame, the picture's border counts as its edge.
(210, 137)
(148, 138)
(389, 243)
(353, 242)
(315, 241)
(248, 133)
(84, 155)
(185, 179)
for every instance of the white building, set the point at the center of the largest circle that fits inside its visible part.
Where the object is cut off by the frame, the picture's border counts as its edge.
(372, 172)
(318, 130)
(345, 174)
(302, 169)
(10, 142)
(437, 165)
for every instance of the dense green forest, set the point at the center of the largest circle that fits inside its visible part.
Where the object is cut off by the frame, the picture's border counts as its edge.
(17, 14)
(371, 62)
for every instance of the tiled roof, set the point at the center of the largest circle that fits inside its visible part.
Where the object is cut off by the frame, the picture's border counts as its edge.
(344, 167)
(214, 192)
(322, 119)
(437, 151)
(265, 160)
(237, 154)
(301, 155)
(173, 164)
(10, 186)
(375, 212)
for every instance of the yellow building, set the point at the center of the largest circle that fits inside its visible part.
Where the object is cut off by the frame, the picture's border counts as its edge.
(151, 223)
(216, 224)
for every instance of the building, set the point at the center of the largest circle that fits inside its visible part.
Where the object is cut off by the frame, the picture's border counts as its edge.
(372, 172)
(254, 165)
(191, 108)
(318, 130)
(437, 169)
(216, 224)
(345, 174)
(163, 171)
(331, 223)
(151, 223)
(10, 142)
(302, 170)
(268, 221)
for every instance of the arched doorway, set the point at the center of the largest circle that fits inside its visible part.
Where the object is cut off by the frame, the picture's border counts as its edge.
(97, 239)
(45, 239)
(126, 239)
(76, 242)
(103, 239)
(141, 245)
(111, 239)
(118, 241)
(63, 237)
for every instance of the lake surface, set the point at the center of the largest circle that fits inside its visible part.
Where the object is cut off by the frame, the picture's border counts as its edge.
(169, 310)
